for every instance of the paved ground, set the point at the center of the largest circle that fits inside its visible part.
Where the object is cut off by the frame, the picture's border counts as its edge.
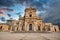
(29, 36)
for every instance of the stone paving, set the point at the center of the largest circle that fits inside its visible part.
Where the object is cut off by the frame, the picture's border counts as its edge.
(29, 36)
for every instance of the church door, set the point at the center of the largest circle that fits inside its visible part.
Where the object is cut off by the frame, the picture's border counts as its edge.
(30, 27)
(38, 28)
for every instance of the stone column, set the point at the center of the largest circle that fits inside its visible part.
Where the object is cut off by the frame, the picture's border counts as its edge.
(27, 27)
(11, 29)
(52, 29)
(15, 28)
(41, 28)
(35, 26)
(57, 29)
(20, 26)
(46, 28)
(3, 28)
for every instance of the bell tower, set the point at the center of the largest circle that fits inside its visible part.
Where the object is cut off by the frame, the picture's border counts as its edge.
(30, 13)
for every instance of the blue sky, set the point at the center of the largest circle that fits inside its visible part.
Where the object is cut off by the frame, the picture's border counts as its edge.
(49, 10)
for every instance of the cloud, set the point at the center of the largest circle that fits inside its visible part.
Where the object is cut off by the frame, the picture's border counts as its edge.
(19, 13)
(7, 2)
(2, 19)
(21, 1)
(11, 18)
(9, 15)
(49, 9)
(6, 9)
(2, 14)
(53, 13)
(2, 10)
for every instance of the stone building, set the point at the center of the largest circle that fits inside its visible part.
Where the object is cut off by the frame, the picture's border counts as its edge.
(4, 27)
(30, 22)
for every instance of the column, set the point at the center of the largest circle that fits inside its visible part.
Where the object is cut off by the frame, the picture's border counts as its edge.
(11, 29)
(52, 28)
(46, 28)
(35, 26)
(3, 28)
(20, 27)
(15, 28)
(27, 27)
(41, 28)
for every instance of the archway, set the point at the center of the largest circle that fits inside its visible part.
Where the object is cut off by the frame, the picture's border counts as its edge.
(38, 28)
(9, 28)
(30, 26)
(47, 28)
(0, 27)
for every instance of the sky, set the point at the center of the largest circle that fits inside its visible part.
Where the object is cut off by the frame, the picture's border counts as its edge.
(49, 10)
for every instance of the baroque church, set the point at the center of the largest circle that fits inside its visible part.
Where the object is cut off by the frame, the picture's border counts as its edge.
(30, 22)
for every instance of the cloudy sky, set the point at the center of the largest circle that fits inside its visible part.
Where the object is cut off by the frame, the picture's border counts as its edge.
(49, 10)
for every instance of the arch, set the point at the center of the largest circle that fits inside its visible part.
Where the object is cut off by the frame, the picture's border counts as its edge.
(0, 27)
(55, 30)
(9, 28)
(38, 27)
(47, 28)
(30, 26)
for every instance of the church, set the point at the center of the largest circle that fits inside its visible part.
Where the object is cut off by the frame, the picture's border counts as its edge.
(29, 22)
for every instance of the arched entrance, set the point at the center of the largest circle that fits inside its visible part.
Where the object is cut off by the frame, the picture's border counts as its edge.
(38, 28)
(30, 27)
(0, 27)
(47, 28)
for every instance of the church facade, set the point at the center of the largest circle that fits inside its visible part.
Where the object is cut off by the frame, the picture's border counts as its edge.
(30, 22)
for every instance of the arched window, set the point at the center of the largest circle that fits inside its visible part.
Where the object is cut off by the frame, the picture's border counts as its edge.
(30, 15)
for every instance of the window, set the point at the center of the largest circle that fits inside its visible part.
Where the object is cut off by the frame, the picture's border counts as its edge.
(30, 15)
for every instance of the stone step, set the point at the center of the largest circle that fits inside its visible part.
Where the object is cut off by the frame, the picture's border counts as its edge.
(31, 32)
